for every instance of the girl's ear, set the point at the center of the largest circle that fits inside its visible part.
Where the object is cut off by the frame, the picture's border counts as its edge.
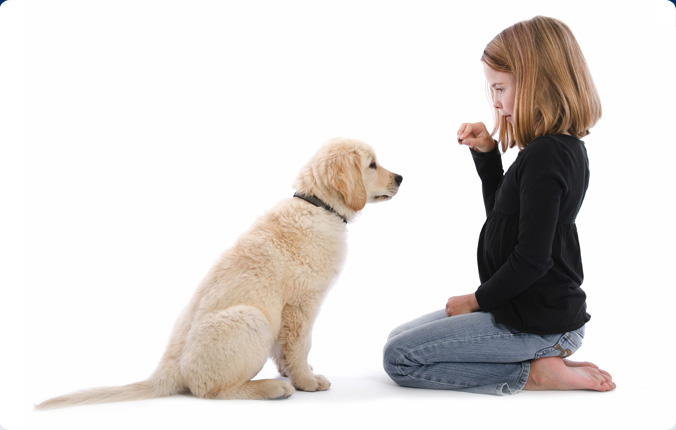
(347, 178)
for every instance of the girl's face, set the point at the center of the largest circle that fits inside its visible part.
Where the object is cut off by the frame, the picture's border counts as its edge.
(503, 89)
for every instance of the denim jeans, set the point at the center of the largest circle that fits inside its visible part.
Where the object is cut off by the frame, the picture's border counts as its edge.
(469, 353)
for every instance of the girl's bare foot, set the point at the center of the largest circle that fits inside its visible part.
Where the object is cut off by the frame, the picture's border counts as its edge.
(554, 373)
(571, 363)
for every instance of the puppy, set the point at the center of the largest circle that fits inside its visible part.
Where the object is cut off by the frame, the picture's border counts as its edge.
(261, 297)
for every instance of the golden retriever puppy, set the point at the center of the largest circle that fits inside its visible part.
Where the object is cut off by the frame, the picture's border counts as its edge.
(261, 297)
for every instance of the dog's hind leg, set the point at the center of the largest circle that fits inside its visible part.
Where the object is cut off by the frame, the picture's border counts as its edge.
(261, 389)
(225, 350)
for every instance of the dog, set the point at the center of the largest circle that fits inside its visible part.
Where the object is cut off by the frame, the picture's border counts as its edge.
(261, 297)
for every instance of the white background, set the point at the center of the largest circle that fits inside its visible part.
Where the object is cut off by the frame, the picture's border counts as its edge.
(154, 132)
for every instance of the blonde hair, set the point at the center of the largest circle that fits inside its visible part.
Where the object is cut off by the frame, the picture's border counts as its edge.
(555, 93)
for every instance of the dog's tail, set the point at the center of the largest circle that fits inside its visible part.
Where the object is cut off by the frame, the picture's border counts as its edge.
(161, 384)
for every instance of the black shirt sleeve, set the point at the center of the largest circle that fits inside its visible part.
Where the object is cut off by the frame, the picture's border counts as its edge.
(489, 167)
(540, 177)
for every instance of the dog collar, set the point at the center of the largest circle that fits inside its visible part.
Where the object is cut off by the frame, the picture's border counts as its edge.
(319, 203)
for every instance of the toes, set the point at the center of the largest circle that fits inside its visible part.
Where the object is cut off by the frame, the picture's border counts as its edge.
(605, 381)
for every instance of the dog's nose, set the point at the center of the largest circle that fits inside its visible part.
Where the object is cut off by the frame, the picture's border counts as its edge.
(398, 179)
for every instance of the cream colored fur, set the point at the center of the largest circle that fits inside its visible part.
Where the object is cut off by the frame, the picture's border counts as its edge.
(260, 299)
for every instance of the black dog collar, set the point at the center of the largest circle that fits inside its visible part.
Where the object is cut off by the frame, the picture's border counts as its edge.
(319, 203)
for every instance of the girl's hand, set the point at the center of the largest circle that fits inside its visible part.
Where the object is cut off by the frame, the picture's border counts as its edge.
(462, 305)
(476, 137)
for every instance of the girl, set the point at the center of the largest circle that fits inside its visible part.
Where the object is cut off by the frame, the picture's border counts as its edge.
(528, 315)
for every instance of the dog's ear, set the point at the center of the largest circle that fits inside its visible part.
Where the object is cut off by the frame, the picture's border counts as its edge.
(347, 178)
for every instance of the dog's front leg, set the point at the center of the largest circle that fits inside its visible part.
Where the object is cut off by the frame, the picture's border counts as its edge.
(294, 344)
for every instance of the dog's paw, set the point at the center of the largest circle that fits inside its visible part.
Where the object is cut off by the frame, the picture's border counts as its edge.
(281, 390)
(311, 382)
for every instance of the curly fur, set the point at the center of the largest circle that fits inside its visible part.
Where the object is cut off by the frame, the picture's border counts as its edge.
(261, 297)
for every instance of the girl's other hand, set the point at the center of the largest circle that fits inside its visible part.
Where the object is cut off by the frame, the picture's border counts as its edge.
(459, 305)
(476, 136)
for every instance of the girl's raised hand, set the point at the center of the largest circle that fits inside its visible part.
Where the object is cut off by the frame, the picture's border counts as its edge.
(476, 137)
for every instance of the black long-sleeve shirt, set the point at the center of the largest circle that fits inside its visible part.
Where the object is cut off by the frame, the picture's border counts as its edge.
(529, 253)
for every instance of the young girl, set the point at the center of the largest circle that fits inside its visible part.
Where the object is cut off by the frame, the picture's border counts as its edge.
(528, 315)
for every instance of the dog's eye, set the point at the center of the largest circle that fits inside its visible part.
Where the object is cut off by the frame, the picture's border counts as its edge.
(373, 165)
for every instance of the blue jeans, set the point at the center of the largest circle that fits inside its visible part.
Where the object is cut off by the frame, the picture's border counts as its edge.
(469, 353)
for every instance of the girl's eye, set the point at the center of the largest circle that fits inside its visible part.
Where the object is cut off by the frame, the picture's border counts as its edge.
(373, 165)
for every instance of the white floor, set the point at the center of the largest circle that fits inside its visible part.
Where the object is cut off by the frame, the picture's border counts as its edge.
(367, 399)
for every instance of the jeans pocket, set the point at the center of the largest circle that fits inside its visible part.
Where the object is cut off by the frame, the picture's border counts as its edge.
(565, 344)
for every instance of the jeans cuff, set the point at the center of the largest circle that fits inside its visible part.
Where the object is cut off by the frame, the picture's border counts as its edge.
(523, 378)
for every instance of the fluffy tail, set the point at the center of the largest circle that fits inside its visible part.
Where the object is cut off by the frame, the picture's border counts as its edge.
(156, 386)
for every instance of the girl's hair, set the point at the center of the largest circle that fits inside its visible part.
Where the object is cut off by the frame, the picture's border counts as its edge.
(555, 93)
